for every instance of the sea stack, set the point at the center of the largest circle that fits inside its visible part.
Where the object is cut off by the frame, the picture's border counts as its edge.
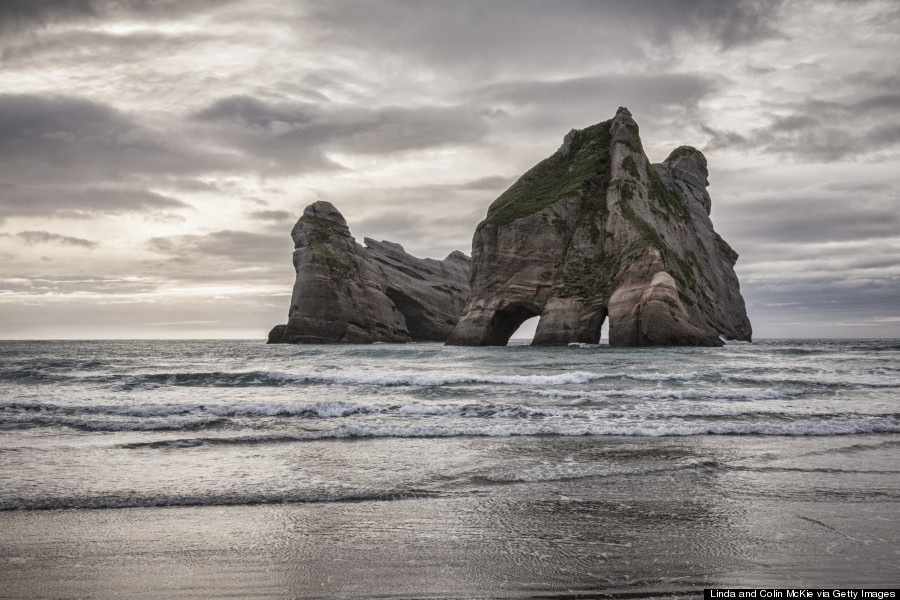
(594, 232)
(348, 293)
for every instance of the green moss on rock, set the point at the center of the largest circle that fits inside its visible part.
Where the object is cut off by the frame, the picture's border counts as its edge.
(590, 279)
(650, 237)
(320, 237)
(630, 166)
(685, 151)
(726, 250)
(585, 166)
(634, 144)
(669, 200)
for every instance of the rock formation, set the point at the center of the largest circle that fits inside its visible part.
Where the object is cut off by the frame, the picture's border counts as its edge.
(594, 232)
(347, 293)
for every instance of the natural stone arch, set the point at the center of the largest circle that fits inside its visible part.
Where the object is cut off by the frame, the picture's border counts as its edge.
(504, 322)
(597, 231)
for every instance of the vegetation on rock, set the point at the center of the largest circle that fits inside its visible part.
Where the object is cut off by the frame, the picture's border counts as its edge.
(585, 165)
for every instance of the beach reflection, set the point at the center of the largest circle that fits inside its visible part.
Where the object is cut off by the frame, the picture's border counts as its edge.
(502, 518)
(653, 523)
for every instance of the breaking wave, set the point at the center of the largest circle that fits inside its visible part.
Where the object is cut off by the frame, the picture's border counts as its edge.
(198, 415)
(150, 501)
(656, 429)
(277, 378)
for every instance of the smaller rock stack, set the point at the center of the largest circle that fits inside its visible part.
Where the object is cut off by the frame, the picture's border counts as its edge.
(348, 293)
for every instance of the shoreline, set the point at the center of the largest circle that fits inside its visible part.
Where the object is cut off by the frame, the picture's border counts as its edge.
(663, 534)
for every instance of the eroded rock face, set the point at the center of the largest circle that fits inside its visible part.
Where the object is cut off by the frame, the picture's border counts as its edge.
(595, 232)
(347, 293)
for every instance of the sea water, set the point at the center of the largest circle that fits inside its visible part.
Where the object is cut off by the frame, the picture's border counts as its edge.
(601, 454)
(148, 423)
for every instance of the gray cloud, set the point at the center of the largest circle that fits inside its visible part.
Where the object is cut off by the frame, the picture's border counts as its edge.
(872, 80)
(72, 139)
(32, 238)
(822, 131)
(560, 104)
(293, 136)
(810, 217)
(39, 285)
(78, 201)
(478, 36)
(649, 90)
(72, 157)
(252, 112)
(816, 291)
(270, 215)
(823, 294)
(15, 14)
(427, 220)
(423, 234)
(492, 183)
(729, 23)
(28, 122)
(823, 249)
(97, 47)
(240, 248)
(28, 14)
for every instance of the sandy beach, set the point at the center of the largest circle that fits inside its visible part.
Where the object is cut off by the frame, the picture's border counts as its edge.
(666, 535)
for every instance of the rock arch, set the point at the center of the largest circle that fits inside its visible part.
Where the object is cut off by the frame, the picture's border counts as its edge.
(596, 232)
(505, 321)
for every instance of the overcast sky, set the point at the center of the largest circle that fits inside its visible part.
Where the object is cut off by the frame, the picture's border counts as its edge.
(154, 154)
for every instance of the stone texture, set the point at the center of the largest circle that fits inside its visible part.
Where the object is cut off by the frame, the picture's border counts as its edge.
(594, 232)
(348, 293)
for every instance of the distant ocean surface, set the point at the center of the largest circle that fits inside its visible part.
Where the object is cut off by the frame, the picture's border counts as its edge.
(594, 458)
(84, 410)
(81, 409)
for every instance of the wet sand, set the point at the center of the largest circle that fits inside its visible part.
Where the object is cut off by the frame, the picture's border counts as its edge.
(826, 515)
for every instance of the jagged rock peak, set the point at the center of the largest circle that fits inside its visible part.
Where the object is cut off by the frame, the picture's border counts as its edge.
(687, 166)
(594, 232)
(347, 293)
(325, 211)
(567, 143)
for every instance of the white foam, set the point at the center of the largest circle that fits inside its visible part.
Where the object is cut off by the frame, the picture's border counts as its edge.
(399, 379)
(823, 381)
(382, 378)
(633, 429)
(110, 425)
(642, 429)
(663, 376)
(174, 417)
(376, 378)
(680, 394)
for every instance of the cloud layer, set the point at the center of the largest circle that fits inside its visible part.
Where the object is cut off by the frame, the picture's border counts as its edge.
(154, 153)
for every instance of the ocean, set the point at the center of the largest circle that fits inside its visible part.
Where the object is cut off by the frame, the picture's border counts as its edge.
(210, 468)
